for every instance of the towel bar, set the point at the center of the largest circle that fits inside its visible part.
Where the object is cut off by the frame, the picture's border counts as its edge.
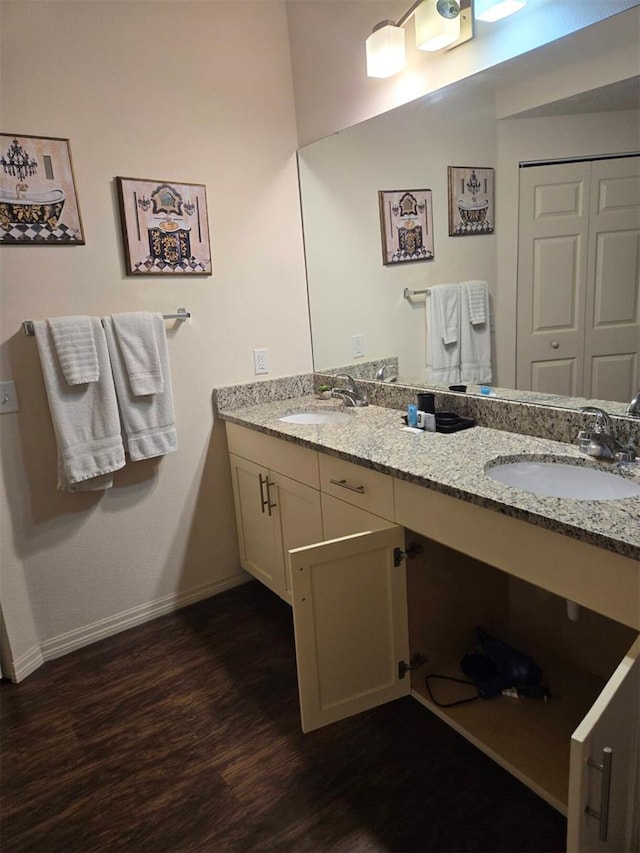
(181, 314)
(408, 294)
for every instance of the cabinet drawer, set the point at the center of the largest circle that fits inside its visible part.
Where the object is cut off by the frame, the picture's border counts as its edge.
(292, 460)
(357, 485)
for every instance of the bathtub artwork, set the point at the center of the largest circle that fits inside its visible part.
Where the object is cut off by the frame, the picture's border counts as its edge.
(165, 228)
(471, 200)
(38, 200)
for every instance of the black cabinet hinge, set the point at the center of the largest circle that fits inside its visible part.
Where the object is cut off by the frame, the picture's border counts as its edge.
(416, 662)
(413, 549)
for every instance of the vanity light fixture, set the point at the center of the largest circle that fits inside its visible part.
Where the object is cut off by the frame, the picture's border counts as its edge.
(495, 10)
(385, 50)
(439, 25)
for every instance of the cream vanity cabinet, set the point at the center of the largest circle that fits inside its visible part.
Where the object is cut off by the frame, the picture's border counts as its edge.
(277, 503)
(361, 611)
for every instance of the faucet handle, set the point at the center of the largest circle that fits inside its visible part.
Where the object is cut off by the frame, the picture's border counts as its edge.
(583, 439)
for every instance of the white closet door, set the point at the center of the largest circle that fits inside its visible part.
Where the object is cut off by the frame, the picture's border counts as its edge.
(552, 277)
(612, 332)
(578, 330)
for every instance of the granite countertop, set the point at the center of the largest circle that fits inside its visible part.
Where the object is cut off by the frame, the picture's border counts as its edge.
(454, 464)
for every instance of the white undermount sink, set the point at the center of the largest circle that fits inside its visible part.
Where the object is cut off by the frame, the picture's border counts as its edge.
(316, 418)
(561, 480)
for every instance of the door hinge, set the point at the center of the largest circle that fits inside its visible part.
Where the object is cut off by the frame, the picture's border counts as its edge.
(416, 662)
(413, 549)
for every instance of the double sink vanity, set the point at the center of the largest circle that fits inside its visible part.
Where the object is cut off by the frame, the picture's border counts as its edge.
(392, 546)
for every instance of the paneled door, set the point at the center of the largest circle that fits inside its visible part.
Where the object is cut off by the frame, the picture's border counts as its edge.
(579, 279)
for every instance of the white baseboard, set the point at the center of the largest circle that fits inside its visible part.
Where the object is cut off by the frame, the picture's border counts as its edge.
(17, 670)
(79, 637)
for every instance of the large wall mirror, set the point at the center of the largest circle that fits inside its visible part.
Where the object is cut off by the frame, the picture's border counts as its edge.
(357, 301)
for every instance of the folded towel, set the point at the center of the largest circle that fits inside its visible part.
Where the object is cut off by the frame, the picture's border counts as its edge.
(137, 339)
(148, 421)
(476, 294)
(475, 347)
(442, 320)
(85, 417)
(76, 349)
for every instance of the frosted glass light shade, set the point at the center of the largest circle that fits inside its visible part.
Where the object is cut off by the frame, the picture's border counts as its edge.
(433, 32)
(494, 10)
(385, 50)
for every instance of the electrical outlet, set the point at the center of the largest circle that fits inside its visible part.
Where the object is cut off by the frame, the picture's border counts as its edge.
(358, 346)
(8, 398)
(260, 361)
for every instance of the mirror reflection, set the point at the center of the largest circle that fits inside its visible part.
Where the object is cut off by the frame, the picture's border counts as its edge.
(562, 265)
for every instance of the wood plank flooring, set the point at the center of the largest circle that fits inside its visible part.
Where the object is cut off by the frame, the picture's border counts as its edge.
(184, 735)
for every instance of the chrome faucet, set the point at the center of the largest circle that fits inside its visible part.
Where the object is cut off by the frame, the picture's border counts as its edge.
(601, 440)
(381, 373)
(633, 408)
(351, 394)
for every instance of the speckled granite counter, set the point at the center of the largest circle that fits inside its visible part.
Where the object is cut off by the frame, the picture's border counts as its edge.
(455, 465)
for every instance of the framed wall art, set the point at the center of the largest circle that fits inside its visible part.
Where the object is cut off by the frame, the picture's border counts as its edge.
(165, 227)
(38, 200)
(471, 201)
(406, 225)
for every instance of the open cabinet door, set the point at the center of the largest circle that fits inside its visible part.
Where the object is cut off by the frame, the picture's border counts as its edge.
(605, 752)
(350, 621)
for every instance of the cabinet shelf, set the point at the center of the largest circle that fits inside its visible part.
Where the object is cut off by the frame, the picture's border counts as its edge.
(528, 737)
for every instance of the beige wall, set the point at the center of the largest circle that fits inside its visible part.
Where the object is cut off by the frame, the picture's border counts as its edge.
(185, 91)
(333, 92)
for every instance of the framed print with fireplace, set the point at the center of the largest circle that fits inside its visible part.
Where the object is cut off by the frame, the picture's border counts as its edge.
(406, 225)
(165, 227)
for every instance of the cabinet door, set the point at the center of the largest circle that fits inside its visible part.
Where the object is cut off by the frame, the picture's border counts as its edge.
(612, 723)
(350, 621)
(298, 521)
(259, 554)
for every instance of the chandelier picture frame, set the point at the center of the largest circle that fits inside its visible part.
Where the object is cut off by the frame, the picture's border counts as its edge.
(38, 198)
(165, 227)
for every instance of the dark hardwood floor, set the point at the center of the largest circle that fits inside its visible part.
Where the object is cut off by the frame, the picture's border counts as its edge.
(184, 735)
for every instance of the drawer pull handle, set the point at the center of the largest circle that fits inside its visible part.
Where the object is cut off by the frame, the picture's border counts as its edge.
(263, 501)
(345, 485)
(605, 791)
(270, 505)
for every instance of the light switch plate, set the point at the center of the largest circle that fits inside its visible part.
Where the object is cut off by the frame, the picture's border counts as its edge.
(8, 398)
(358, 345)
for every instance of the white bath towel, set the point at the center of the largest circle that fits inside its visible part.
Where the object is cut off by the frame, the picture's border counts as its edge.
(442, 321)
(475, 346)
(136, 334)
(76, 348)
(477, 295)
(85, 417)
(445, 300)
(148, 422)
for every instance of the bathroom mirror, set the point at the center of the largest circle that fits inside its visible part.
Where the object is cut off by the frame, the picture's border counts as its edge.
(358, 305)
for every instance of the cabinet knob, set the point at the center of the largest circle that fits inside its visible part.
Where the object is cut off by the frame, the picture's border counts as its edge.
(555, 344)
